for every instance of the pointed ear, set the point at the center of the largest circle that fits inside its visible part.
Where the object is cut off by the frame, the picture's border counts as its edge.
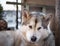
(48, 17)
(25, 16)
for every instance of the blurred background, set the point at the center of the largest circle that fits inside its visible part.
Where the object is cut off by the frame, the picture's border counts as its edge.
(8, 13)
(10, 10)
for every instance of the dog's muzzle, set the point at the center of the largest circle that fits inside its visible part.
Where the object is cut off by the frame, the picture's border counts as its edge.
(33, 38)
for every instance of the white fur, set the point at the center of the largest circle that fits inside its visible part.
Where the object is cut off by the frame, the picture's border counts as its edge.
(49, 30)
(41, 34)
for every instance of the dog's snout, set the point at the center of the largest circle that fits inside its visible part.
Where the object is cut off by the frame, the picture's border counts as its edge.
(33, 38)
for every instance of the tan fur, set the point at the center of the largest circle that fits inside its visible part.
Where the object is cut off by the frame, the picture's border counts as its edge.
(34, 21)
(23, 36)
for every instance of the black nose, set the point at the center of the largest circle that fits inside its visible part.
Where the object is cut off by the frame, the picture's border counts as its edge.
(33, 38)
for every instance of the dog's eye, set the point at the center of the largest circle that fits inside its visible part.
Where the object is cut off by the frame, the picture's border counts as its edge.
(38, 28)
(30, 27)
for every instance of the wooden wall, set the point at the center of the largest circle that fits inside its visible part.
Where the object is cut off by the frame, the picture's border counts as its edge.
(42, 2)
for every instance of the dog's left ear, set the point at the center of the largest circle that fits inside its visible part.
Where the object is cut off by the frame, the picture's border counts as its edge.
(48, 17)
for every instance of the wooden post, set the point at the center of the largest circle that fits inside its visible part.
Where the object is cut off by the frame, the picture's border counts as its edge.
(16, 15)
(57, 20)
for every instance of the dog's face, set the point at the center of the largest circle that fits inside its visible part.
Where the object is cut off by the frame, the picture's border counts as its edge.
(34, 27)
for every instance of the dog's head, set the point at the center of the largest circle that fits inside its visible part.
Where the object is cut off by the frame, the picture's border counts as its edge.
(35, 27)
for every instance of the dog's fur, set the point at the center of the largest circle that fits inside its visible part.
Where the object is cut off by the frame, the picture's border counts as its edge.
(32, 25)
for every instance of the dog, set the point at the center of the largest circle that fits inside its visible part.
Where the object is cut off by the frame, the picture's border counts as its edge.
(34, 31)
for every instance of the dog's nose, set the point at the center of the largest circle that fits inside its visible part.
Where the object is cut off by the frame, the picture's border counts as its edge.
(33, 38)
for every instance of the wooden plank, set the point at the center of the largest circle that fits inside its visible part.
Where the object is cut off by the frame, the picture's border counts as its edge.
(42, 2)
(15, 3)
(57, 19)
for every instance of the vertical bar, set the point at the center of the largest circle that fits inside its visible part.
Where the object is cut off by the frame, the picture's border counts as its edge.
(57, 19)
(17, 15)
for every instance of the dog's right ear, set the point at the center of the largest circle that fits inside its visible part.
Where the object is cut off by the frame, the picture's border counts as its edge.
(25, 16)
